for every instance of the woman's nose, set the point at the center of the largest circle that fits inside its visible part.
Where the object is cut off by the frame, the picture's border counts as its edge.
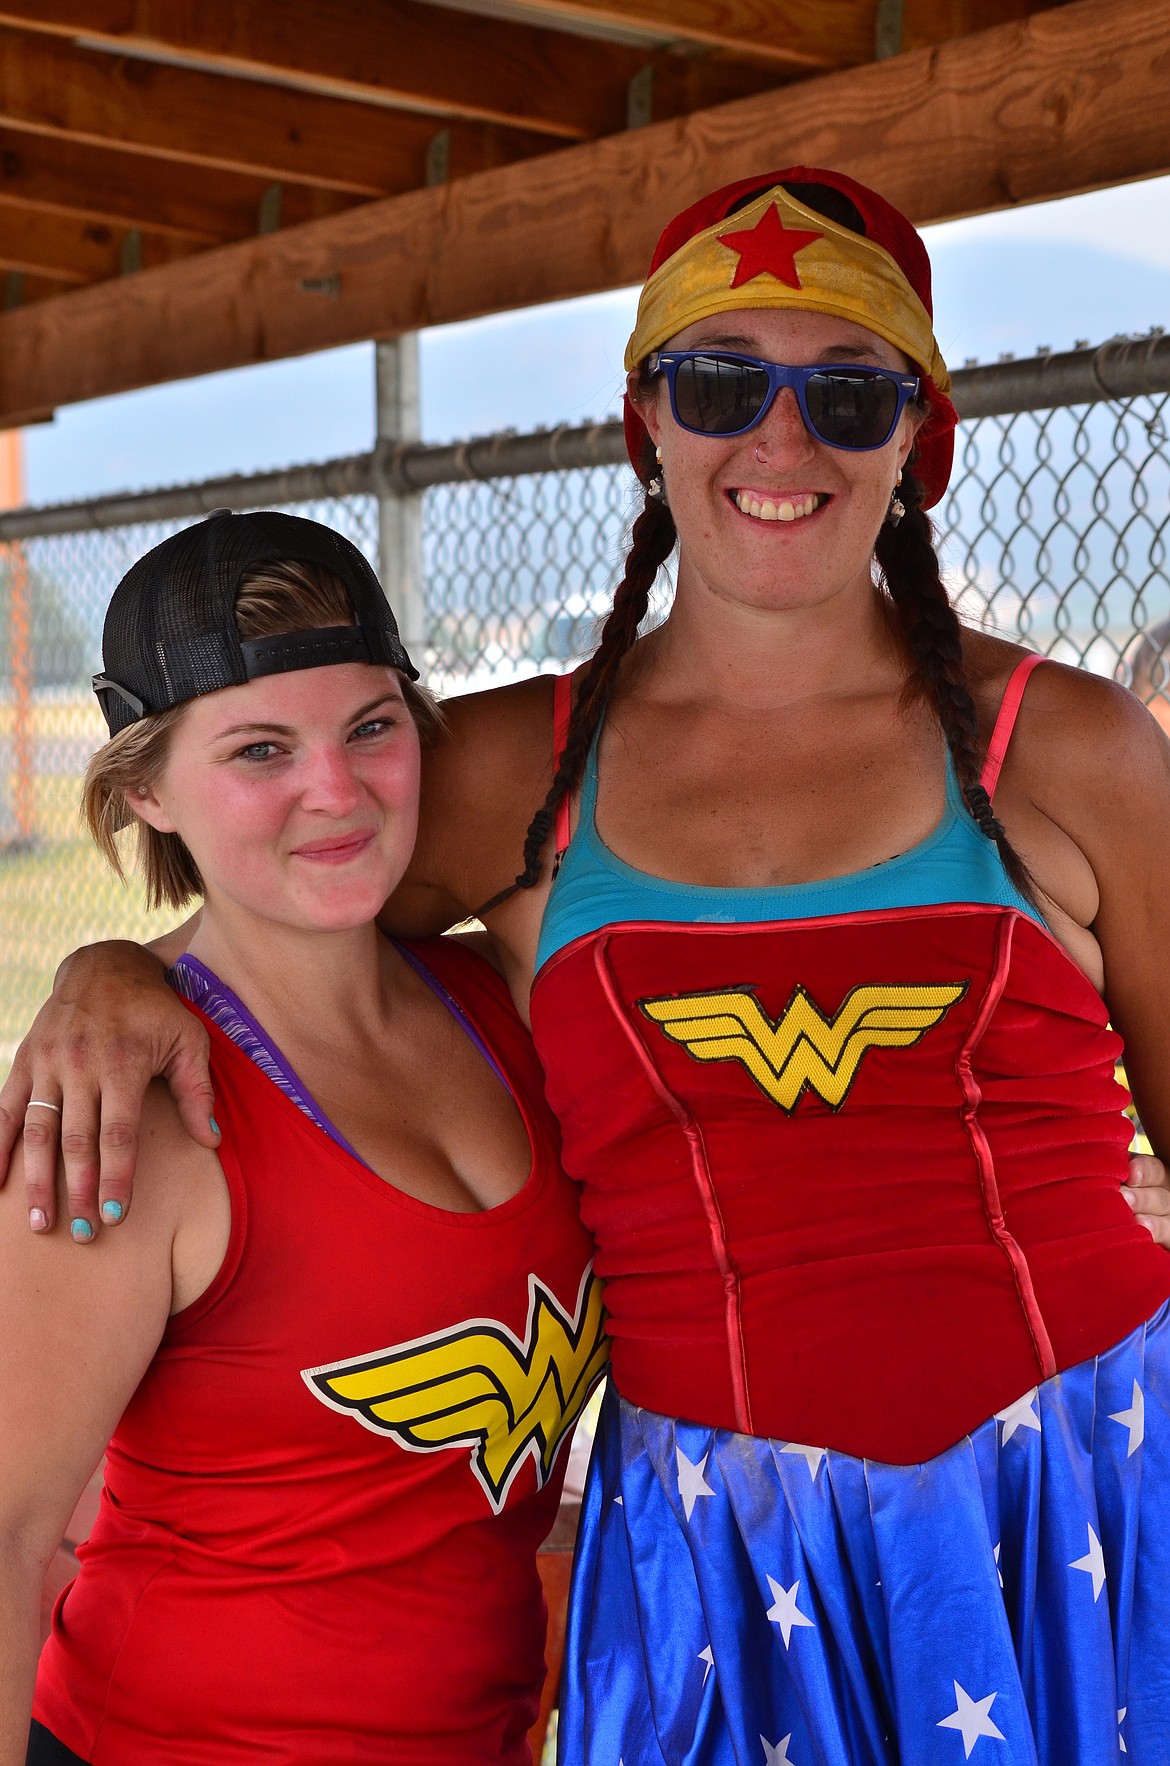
(781, 438)
(329, 783)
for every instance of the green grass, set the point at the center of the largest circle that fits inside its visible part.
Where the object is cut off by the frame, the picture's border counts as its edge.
(53, 899)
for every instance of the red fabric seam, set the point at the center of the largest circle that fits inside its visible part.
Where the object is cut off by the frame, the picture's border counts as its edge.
(1005, 723)
(562, 711)
(701, 1172)
(985, 1162)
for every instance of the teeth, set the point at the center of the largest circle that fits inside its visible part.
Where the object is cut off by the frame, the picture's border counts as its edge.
(787, 509)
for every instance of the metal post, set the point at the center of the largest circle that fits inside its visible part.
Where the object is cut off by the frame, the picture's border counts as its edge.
(400, 514)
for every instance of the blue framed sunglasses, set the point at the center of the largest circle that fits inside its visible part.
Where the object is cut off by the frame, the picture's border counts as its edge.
(844, 404)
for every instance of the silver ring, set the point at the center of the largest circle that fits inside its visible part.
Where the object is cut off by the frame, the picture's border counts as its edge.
(41, 1104)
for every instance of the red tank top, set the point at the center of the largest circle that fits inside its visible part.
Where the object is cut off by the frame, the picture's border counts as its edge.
(317, 1540)
(856, 1180)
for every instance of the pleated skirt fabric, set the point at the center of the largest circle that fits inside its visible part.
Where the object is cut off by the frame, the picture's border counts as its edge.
(747, 1602)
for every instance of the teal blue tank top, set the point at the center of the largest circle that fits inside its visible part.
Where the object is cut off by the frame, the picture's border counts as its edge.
(955, 863)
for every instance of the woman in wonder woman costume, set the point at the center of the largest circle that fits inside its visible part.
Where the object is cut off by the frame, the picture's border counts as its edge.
(825, 979)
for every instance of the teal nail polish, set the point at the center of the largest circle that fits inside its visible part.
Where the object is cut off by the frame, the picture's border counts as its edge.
(81, 1230)
(112, 1211)
(214, 1124)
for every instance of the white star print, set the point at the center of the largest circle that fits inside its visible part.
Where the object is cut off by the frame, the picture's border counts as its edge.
(691, 1482)
(1133, 1419)
(998, 1571)
(776, 1753)
(784, 1610)
(1019, 1415)
(971, 1718)
(707, 1656)
(1120, 1721)
(618, 1503)
(1093, 1564)
(812, 1456)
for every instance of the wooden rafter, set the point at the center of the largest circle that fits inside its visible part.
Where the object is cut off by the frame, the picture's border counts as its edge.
(74, 251)
(1069, 100)
(408, 54)
(795, 36)
(50, 87)
(124, 190)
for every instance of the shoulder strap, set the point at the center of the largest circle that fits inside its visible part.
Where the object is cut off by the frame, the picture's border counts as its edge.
(562, 712)
(1005, 723)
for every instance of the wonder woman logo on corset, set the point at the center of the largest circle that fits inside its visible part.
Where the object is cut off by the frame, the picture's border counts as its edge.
(479, 1386)
(802, 1048)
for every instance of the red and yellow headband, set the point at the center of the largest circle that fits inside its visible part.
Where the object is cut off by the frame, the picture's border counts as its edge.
(774, 251)
(777, 253)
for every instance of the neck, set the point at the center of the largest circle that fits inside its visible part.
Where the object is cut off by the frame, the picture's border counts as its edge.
(334, 984)
(757, 657)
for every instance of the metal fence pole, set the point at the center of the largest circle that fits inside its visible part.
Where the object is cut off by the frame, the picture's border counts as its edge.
(400, 554)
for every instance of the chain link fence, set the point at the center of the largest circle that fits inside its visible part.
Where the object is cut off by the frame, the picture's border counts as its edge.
(1054, 532)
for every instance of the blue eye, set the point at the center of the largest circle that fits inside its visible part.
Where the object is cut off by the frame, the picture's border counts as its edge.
(373, 727)
(257, 751)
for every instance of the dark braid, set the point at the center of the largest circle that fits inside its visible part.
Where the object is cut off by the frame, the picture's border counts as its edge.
(651, 543)
(930, 630)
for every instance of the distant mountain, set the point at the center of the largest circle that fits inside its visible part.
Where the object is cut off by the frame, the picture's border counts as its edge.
(999, 296)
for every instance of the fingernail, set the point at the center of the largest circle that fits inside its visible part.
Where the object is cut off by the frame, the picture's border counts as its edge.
(1129, 1195)
(81, 1230)
(213, 1124)
(112, 1211)
(38, 1219)
(1148, 1224)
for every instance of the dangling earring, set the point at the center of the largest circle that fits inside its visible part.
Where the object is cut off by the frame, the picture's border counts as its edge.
(657, 486)
(897, 507)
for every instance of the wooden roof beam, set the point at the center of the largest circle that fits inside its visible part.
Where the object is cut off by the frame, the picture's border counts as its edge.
(1070, 100)
(71, 251)
(119, 189)
(48, 87)
(410, 55)
(796, 37)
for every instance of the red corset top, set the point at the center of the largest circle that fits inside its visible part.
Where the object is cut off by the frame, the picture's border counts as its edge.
(854, 1181)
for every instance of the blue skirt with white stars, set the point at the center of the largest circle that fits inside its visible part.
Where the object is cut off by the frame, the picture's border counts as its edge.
(746, 1602)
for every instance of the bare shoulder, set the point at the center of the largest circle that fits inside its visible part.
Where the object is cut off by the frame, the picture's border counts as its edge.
(482, 782)
(1084, 749)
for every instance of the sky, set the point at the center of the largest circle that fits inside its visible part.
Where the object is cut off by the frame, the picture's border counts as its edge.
(1086, 267)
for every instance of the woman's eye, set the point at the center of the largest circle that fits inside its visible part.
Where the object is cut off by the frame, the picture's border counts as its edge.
(375, 726)
(257, 751)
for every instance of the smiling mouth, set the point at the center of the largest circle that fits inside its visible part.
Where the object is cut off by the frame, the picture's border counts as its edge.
(335, 851)
(793, 508)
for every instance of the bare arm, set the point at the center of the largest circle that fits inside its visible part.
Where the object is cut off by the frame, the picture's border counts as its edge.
(1095, 763)
(110, 1025)
(78, 1334)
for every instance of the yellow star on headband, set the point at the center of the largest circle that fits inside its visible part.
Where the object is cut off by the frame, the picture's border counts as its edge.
(768, 249)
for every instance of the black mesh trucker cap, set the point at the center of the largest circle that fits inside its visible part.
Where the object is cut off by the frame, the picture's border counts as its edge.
(170, 632)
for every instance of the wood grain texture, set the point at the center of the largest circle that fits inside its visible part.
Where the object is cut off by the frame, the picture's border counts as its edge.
(207, 206)
(74, 251)
(50, 87)
(795, 35)
(1069, 100)
(406, 53)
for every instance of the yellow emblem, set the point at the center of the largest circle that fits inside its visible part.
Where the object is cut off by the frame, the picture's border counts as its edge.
(479, 1386)
(802, 1048)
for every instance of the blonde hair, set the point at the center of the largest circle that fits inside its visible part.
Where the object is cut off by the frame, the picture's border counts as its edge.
(273, 598)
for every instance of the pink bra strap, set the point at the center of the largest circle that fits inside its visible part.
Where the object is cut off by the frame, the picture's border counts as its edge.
(1005, 723)
(562, 711)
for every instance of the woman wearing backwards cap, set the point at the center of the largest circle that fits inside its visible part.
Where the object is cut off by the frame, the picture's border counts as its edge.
(331, 1463)
(824, 980)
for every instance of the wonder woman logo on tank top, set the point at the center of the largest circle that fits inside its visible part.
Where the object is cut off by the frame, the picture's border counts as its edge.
(478, 1385)
(802, 1048)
